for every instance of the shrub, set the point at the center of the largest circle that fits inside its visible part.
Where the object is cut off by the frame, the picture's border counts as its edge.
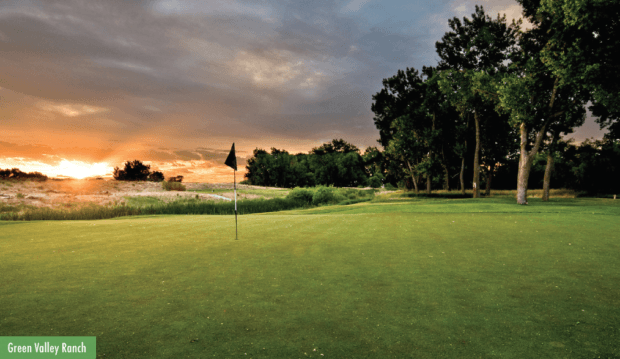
(173, 186)
(374, 182)
(156, 176)
(133, 171)
(175, 179)
(390, 187)
(17, 174)
(301, 195)
(20, 195)
(325, 195)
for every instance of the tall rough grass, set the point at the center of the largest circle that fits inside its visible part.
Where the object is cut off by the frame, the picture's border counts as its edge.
(90, 212)
(178, 207)
(173, 186)
(298, 198)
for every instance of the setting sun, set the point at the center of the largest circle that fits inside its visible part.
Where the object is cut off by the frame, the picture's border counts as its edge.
(65, 168)
(79, 169)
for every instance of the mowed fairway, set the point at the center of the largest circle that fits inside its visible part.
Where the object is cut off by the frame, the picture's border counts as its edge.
(421, 278)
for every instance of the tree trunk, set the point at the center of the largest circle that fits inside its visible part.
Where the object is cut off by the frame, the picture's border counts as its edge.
(547, 180)
(415, 182)
(428, 183)
(476, 184)
(461, 177)
(524, 174)
(489, 179)
(549, 168)
(526, 159)
(446, 179)
(429, 176)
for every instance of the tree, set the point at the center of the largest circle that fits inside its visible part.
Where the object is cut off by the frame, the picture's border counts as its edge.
(17, 174)
(336, 146)
(582, 48)
(133, 171)
(373, 163)
(596, 169)
(334, 163)
(553, 79)
(258, 168)
(156, 176)
(478, 45)
(304, 177)
(400, 119)
(337, 163)
(499, 141)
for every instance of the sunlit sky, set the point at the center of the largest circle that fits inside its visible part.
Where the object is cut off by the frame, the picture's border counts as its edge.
(87, 85)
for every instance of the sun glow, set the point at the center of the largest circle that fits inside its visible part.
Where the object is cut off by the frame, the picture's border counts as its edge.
(79, 169)
(65, 168)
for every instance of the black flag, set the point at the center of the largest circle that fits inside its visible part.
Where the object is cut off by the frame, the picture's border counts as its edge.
(231, 160)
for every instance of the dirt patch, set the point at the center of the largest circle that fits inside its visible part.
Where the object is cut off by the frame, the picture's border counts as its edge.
(53, 193)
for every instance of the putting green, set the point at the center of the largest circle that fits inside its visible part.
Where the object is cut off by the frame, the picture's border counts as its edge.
(381, 281)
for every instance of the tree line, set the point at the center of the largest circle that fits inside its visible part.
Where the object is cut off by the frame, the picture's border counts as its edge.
(336, 163)
(137, 171)
(490, 113)
(500, 92)
(17, 174)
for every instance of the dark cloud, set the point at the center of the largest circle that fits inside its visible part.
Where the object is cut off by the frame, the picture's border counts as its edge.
(142, 75)
(187, 155)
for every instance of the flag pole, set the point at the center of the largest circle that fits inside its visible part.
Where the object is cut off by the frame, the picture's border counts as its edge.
(231, 161)
(235, 184)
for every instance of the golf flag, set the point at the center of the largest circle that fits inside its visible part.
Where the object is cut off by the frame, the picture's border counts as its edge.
(231, 161)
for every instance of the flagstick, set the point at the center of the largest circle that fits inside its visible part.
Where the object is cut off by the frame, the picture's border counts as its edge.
(235, 184)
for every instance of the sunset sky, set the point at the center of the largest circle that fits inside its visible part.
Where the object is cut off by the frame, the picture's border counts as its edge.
(87, 85)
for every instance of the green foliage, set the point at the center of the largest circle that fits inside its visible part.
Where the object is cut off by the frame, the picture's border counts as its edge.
(142, 201)
(375, 182)
(324, 195)
(330, 195)
(82, 213)
(337, 163)
(390, 187)
(301, 194)
(173, 186)
(20, 195)
(582, 49)
(5, 208)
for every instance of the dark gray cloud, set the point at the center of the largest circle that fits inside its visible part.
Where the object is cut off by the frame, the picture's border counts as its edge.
(183, 74)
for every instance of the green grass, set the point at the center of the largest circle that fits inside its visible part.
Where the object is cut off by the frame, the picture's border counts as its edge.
(424, 278)
(264, 193)
(142, 201)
